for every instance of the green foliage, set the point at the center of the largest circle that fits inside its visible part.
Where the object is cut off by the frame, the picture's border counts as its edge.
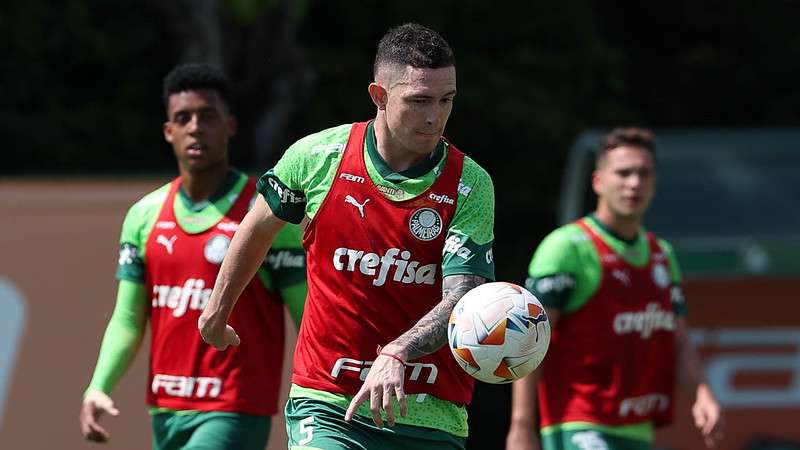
(80, 91)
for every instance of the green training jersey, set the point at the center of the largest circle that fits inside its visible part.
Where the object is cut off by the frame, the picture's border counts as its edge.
(565, 273)
(283, 266)
(296, 187)
(282, 272)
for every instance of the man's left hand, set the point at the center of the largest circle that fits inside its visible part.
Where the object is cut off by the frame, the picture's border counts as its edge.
(707, 416)
(385, 379)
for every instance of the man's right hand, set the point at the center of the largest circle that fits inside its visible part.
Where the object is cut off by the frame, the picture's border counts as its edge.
(94, 405)
(522, 438)
(216, 335)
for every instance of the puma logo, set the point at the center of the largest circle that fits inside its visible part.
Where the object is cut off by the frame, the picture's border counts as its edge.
(622, 276)
(167, 243)
(349, 199)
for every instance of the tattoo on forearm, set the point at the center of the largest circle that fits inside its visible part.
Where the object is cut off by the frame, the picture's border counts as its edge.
(430, 333)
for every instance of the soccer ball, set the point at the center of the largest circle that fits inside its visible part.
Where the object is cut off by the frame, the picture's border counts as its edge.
(498, 332)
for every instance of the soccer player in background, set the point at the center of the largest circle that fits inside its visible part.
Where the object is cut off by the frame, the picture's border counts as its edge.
(172, 244)
(619, 344)
(398, 229)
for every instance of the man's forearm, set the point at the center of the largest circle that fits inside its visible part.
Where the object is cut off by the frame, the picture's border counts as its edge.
(245, 254)
(690, 369)
(430, 332)
(122, 338)
(523, 401)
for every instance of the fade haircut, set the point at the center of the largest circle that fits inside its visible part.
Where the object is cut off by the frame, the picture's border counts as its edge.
(196, 76)
(625, 137)
(414, 45)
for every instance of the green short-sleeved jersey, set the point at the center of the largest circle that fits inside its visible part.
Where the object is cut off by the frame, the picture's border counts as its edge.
(297, 185)
(284, 265)
(565, 273)
(282, 272)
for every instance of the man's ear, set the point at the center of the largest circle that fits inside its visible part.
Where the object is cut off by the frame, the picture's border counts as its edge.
(167, 128)
(596, 185)
(378, 95)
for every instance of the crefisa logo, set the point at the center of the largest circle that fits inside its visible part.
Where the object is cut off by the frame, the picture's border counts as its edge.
(425, 224)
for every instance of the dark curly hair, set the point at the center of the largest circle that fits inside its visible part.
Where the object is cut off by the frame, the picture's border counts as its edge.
(195, 76)
(414, 45)
(626, 137)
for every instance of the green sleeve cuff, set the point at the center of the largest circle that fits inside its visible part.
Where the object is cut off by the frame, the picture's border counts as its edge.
(288, 204)
(554, 291)
(462, 256)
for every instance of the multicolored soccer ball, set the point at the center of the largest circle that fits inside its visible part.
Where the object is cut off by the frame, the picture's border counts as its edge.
(498, 332)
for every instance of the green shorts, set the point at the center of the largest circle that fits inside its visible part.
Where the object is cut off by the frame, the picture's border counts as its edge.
(209, 431)
(318, 425)
(590, 439)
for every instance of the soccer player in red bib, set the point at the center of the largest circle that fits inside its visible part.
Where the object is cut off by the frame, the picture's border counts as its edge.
(398, 226)
(173, 242)
(619, 344)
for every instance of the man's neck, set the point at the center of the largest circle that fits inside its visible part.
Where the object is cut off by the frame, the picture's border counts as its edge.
(398, 158)
(199, 186)
(624, 227)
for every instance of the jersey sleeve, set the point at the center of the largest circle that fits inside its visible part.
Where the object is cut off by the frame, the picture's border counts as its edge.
(286, 264)
(122, 337)
(553, 270)
(468, 245)
(130, 265)
(676, 290)
(303, 167)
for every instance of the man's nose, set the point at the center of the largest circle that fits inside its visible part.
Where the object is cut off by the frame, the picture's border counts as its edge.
(194, 124)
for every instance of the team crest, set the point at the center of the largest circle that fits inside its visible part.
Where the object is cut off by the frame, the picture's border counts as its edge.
(216, 247)
(425, 224)
(661, 276)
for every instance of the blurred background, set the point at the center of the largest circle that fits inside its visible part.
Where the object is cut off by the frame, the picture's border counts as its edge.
(81, 115)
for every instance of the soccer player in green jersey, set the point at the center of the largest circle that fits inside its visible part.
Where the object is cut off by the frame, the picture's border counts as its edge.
(172, 243)
(612, 293)
(398, 228)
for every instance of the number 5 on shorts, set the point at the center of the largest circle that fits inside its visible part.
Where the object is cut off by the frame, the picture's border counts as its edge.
(306, 428)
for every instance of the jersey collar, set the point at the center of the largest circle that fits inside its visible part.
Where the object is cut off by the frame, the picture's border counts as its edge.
(387, 173)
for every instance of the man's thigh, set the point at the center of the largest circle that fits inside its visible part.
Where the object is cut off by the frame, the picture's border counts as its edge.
(210, 430)
(316, 425)
(590, 440)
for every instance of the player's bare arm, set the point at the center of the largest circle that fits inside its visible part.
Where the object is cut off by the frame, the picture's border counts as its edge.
(430, 333)
(245, 254)
(523, 434)
(706, 411)
(387, 373)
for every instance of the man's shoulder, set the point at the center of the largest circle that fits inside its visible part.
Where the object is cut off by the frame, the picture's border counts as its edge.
(150, 202)
(474, 178)
(569, 232)
(564, 238)
(473, 170)
(323, 142)
(663, 243)
(666, 247)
